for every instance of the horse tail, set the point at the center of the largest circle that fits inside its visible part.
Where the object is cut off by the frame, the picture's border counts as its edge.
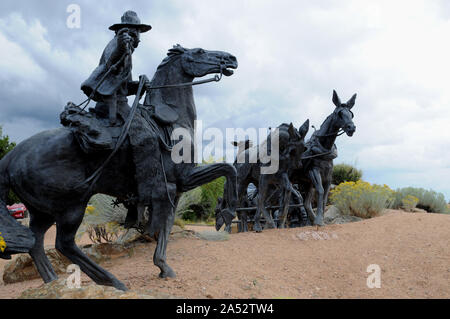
(14, 237)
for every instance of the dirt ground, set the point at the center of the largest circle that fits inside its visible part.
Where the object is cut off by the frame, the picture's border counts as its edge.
(412, 250)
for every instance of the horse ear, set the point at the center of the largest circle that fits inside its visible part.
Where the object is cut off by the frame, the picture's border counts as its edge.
(303, 130)
(336, 99)
(291, 130)
(351, 102)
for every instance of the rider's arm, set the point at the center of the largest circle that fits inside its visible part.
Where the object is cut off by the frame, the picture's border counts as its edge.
(122, 41)
(134, 85)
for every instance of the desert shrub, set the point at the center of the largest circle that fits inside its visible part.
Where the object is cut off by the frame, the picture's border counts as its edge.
(429, 200)
(362, 199)
(409, 202)
(345, 173)
(102, 222)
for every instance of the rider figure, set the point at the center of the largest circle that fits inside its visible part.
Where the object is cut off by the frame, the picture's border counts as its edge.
(109, 85)
(111, 82)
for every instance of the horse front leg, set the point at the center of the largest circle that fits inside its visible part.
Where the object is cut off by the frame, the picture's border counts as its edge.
(308, 204)
(288, 189)
(316, 179)
(298, 198)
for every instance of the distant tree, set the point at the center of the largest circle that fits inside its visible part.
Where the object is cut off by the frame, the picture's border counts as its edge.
(5, 147)
(346, 173)
(5, 144)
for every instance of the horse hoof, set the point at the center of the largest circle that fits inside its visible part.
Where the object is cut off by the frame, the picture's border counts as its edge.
(270, 226)
(167, 274)
(120, 286)
(318, 222)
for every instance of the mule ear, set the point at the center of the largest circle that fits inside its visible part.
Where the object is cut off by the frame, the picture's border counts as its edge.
(336, 99)
(303, 130)
(291, 130)
(351, 102)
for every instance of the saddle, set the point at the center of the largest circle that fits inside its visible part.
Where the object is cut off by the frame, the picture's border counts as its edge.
(92, 135)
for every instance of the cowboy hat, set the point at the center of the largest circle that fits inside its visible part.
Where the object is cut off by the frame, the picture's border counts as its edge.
(130, 19)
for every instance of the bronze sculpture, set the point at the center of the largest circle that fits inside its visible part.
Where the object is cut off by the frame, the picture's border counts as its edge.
(34, 169)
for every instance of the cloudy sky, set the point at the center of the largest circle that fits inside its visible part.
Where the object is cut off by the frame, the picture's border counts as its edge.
(291, 53)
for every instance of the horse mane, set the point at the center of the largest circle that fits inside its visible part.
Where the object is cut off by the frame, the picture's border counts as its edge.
(175, 51)
(326, 121)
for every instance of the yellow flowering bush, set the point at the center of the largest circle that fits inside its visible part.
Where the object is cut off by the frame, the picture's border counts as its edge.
(2, 244)
(362, 199)
(409, 202)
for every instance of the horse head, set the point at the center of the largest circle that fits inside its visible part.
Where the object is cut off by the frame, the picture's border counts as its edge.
(343, 116)
(174, 102)
(199, 62)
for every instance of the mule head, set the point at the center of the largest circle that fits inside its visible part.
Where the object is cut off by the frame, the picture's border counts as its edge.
(296, 145)
(199, 62)
(344, 115)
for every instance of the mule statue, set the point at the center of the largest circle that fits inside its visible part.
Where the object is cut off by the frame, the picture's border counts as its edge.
(315, 174)
(48, 172)
(291, 148)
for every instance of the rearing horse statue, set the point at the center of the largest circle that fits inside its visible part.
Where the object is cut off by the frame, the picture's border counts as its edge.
(46, 172)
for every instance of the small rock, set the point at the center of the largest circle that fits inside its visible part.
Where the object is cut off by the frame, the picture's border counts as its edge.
(59, 290)
(331, 214)
(344, 219)
(214, 235)
(176, 229)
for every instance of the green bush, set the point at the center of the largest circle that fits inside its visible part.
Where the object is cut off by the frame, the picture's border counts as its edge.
(362, 199)
(198, 204)
(345, 173)
(429, 200)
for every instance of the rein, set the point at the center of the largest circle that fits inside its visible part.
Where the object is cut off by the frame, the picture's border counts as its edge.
(317, 155)
(216, 78)
(338, 133)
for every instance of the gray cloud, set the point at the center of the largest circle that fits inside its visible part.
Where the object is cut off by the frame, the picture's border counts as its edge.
(291, 54)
